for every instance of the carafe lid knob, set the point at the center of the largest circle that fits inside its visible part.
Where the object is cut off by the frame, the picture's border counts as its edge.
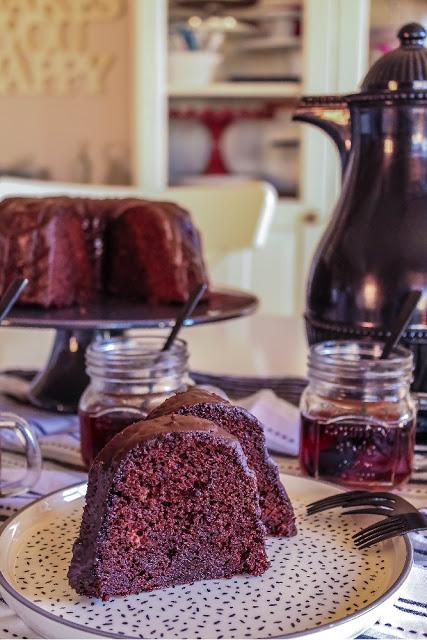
(400, 74)
(412, 34)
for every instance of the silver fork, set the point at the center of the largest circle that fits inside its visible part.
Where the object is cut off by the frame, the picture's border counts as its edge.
(400, 515)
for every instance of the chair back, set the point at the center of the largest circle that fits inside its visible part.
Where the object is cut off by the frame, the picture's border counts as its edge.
(230, 217)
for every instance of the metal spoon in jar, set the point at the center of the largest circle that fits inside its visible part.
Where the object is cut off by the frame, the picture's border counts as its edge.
(11, 295)
(184, 314)
(400, 323)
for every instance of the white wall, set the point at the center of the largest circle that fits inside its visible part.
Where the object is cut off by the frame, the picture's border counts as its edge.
(50, 130)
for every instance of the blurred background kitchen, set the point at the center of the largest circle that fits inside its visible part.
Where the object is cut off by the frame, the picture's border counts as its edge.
(157, 92)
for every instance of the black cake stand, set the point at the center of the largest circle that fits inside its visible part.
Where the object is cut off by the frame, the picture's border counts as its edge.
(60, 384)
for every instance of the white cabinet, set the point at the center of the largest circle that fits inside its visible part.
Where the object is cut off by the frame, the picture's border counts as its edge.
(335, 48)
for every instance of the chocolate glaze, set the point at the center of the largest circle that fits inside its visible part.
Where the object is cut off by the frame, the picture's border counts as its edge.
(276, 508)
(74, 248)
(187, 399)
(46, 245)
(147, 430)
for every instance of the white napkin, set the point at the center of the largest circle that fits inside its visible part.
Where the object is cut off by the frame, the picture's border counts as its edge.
(44, 422)
(59, 435)
(49, 481)
(280, 420)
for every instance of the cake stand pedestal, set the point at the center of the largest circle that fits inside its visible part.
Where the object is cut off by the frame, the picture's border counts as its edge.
(59, 385)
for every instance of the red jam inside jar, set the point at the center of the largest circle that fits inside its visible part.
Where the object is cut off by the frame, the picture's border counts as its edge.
(358, 418)
(98, 429)
(357, 454)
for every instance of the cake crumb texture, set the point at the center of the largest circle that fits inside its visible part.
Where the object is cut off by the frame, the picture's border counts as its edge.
(276, 508)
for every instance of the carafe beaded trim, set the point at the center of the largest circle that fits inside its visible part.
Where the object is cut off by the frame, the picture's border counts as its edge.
(318, 330)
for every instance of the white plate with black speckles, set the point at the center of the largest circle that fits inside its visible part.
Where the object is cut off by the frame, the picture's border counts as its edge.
(318, 584)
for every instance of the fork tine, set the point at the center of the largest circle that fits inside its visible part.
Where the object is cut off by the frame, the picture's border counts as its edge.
(380, 524)
(397, 531)
(400, 524)
(339, 501)
(391, 533)
(382, 527)
(336, 497)
(378, 511)
(371, 527)
(366, 498)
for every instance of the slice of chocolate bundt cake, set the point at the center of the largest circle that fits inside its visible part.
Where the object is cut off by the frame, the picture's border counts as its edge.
(277, 512)
(169, 501)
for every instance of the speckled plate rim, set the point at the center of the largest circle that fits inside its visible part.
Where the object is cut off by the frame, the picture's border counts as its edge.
(321, 629)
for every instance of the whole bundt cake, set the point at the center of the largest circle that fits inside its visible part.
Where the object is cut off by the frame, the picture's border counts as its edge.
(169, 501)
(72, 249)
(277, 512)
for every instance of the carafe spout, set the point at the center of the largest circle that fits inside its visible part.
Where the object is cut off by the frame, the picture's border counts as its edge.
(330, 113)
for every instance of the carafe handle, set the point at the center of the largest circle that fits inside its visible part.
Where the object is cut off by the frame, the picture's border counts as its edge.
(330, 113)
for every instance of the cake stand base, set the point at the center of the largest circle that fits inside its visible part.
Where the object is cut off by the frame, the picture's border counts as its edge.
(59, 385)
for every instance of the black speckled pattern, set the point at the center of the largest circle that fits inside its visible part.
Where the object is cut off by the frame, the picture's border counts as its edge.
(315, 578)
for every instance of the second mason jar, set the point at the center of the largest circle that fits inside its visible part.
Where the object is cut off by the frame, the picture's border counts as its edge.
(357, 415)
(129, 376)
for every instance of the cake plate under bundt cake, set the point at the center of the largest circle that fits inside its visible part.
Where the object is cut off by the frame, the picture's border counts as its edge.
(60, 384)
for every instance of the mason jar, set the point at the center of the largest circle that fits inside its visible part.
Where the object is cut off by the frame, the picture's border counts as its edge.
(358, 417)
(129, 376)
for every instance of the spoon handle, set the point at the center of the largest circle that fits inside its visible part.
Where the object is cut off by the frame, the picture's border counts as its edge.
(401, 323)
(11, 295)
(185, 313)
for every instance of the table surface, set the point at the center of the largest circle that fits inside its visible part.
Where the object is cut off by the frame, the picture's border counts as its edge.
(264, 346)
(260, 345)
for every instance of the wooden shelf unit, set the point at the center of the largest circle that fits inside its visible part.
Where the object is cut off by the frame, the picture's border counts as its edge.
(261, 90)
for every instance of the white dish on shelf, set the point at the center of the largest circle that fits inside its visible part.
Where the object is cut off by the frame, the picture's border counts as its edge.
(318, 584)
(196, 68)
(270, 42)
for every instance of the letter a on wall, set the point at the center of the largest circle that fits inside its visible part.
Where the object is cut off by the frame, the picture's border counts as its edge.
(44, 46)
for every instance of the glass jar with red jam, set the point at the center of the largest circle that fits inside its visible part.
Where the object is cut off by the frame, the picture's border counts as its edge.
(358, 416)
(129, 376)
